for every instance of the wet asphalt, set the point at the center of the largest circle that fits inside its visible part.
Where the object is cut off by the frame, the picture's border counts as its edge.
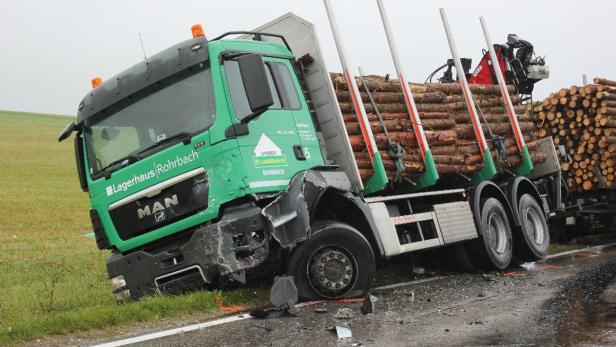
(569, 300)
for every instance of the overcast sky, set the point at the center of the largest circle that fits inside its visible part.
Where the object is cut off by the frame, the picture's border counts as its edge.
(50, 50)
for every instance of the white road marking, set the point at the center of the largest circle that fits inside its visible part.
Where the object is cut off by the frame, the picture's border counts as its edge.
(175, 331)
(185, 329)
(575, 251)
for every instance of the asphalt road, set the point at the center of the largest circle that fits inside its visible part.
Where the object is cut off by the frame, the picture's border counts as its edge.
(566, 300)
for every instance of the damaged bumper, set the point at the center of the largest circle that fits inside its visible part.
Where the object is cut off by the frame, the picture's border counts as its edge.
(236, 243)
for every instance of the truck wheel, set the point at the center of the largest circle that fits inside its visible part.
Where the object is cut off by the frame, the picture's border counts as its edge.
(337, 261)
(493, 249)
(533, 240)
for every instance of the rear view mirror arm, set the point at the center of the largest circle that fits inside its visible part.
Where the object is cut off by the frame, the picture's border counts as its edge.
(68, 130)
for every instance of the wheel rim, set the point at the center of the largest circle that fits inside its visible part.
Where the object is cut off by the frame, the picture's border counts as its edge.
(497, 235)
(534, 226)
(332, 271)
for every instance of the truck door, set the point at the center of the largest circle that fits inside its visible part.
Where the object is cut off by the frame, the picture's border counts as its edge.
(272, 151)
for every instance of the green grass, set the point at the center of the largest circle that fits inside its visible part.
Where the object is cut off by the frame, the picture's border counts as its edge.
(583, 242)
(52, 275)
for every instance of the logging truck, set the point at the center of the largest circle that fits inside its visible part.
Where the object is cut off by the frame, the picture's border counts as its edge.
(223, 158)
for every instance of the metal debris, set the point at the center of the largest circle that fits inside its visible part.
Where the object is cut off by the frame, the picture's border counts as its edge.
(321, 310)
(283, 297)
(344, 313)
(343, 332)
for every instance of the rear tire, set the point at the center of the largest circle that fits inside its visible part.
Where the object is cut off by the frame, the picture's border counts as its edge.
(336, 262)
(533, 241)
(493, 249)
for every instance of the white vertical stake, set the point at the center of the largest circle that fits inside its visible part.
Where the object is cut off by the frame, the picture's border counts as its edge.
(406, 90)
(513, 119)
(468, 96)
(355, 95)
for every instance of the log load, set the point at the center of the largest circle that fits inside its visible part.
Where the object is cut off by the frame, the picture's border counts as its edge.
(583, 120)
(446, 122)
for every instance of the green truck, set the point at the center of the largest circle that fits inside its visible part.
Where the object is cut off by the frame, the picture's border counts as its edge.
(218, 158)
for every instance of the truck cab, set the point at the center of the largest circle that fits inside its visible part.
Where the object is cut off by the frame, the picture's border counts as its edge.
(167, 146)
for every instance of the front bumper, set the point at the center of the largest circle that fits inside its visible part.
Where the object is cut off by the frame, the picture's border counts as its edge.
(236, 243)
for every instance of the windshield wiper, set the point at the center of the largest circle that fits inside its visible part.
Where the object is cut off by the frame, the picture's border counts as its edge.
(185, 136)
(131, 158)
(120, 163)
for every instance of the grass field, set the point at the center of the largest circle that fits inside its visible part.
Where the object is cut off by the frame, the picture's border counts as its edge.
(52, 276)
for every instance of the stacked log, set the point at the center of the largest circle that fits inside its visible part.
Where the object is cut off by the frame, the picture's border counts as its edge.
(445, 120)
(583, 120)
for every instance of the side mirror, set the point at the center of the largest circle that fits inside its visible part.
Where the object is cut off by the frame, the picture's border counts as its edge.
(256, 84)
(67, 131)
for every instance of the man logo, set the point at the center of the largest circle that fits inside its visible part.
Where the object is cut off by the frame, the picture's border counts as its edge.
(158, 208)
(159, 216)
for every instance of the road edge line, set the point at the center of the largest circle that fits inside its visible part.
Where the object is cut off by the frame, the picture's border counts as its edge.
(575, 251)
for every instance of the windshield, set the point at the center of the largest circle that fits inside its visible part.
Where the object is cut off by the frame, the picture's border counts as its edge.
(183, 103)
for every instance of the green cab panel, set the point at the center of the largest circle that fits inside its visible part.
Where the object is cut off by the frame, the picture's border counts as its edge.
(280, 142)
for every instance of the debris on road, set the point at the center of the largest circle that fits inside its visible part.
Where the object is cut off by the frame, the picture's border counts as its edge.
(418, 270)
(283, 297)
(410, 294)
(343, 332)
(368, 305)
(489, 278)
(283, 294)
(321, 310)
(475, 322)
(344, 313)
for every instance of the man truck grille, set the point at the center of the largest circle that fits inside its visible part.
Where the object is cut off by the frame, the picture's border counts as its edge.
(161, 204)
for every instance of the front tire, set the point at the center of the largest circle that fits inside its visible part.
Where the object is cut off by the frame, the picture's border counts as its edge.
(533, 240)
(336, 262)
(493, 250)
